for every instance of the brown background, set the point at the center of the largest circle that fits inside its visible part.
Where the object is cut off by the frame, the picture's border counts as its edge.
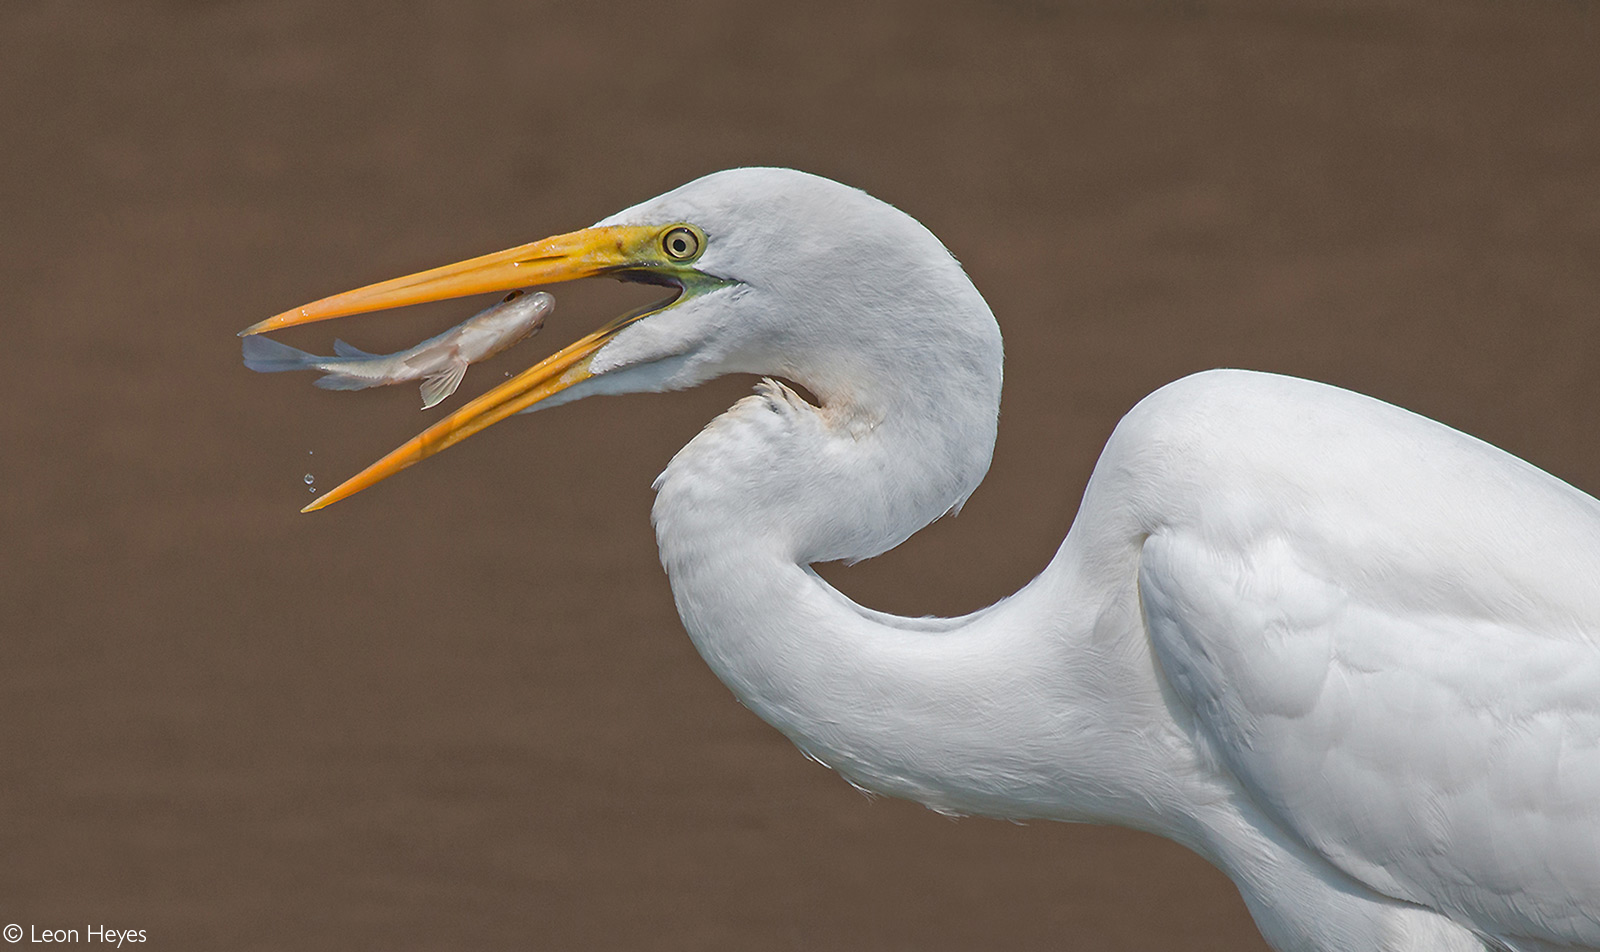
(459, 710)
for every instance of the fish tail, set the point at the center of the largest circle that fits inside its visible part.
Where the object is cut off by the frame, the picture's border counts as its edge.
(267, 356)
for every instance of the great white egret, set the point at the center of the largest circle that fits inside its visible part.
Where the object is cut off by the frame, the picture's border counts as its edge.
(1349, 655)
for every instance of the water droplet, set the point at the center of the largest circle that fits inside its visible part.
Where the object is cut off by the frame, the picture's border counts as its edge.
(311, 452)
(312, 488)
(310, 479)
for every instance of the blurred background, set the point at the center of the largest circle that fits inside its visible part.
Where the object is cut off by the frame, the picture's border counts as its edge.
(459, 709)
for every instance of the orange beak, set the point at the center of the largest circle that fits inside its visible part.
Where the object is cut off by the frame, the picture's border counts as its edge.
(580, 254)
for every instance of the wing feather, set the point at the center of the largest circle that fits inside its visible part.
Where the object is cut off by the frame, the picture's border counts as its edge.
(1387, 633)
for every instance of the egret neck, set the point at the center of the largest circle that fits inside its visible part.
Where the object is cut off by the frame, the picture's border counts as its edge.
(967, 715)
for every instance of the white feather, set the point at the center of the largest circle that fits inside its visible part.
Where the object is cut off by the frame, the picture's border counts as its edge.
(1344, 652)
(1347, 654)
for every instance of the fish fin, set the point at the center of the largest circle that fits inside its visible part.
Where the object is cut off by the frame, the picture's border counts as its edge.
(267, 356)
(443, 384)
(350, 350)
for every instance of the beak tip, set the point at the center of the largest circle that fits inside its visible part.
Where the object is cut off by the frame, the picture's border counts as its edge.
(300, 315)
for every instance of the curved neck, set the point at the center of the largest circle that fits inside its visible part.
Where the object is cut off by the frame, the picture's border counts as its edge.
(1028, 708)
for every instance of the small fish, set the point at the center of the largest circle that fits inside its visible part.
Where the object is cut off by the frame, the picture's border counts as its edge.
(439, 362)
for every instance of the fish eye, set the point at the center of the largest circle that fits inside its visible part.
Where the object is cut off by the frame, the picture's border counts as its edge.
(511, 297)
(680, 243)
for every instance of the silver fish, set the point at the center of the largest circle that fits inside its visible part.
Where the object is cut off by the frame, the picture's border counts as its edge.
(440, 362)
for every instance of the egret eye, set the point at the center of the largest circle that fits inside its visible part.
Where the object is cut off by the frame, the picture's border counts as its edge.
(681, 243)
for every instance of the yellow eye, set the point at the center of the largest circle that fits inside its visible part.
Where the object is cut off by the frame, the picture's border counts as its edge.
(680, 243)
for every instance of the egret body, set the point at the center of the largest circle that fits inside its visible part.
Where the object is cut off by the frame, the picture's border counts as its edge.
(1349, 655)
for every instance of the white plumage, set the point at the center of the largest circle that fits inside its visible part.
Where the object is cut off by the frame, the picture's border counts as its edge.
(1346, 653)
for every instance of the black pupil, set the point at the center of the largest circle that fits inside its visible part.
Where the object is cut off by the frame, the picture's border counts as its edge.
(679, 245)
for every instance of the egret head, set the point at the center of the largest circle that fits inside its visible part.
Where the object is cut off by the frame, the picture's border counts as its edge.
(771, 271)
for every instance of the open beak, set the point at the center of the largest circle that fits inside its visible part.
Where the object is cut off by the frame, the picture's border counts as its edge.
(580, 254)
